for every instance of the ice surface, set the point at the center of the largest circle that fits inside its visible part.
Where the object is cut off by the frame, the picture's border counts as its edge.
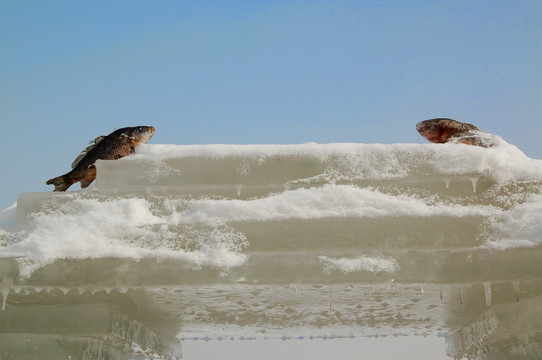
(519, 226)
(361, 263)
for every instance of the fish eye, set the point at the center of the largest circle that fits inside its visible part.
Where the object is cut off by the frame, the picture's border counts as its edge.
(140, 129)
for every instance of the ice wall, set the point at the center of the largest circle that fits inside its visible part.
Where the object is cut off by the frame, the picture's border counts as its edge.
(311, 238)
(214, 207)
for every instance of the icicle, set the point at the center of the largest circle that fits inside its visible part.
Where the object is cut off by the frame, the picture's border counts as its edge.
(447, 182)
(461, 295)
(5, 293)
(487, 291)
(474, 182)
(441, 297)
(239, 188)
(389, 284)
(123, 290)
(330, 299)
(81, 291)
(108, 290)
(516, 289)
(65, 291)
(421, 288)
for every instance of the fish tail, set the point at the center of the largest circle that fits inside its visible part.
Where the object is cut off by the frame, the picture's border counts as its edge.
(61, 183)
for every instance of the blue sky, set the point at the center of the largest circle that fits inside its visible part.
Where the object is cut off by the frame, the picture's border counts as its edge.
(258, 72)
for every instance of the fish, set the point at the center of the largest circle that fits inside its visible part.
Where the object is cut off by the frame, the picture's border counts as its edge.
(114, 146)
(443, 130)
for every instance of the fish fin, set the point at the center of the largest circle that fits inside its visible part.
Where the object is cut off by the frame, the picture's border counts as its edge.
(85, 183)
(83, 153)
(78, 158)
(61, 183)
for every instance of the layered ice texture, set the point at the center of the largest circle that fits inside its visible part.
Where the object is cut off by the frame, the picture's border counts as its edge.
(314, 239)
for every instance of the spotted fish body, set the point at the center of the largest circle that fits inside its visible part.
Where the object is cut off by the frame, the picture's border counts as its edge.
(111, 147)
(443, 130)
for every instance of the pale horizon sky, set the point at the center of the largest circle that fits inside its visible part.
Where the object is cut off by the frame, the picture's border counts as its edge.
(259, 72)
(383, 347)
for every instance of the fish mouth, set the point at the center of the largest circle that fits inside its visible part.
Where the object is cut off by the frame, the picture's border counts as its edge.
(432, 136)
(150, 130)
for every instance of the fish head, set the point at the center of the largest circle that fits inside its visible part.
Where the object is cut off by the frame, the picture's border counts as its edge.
(140, 134)
(433, 130)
